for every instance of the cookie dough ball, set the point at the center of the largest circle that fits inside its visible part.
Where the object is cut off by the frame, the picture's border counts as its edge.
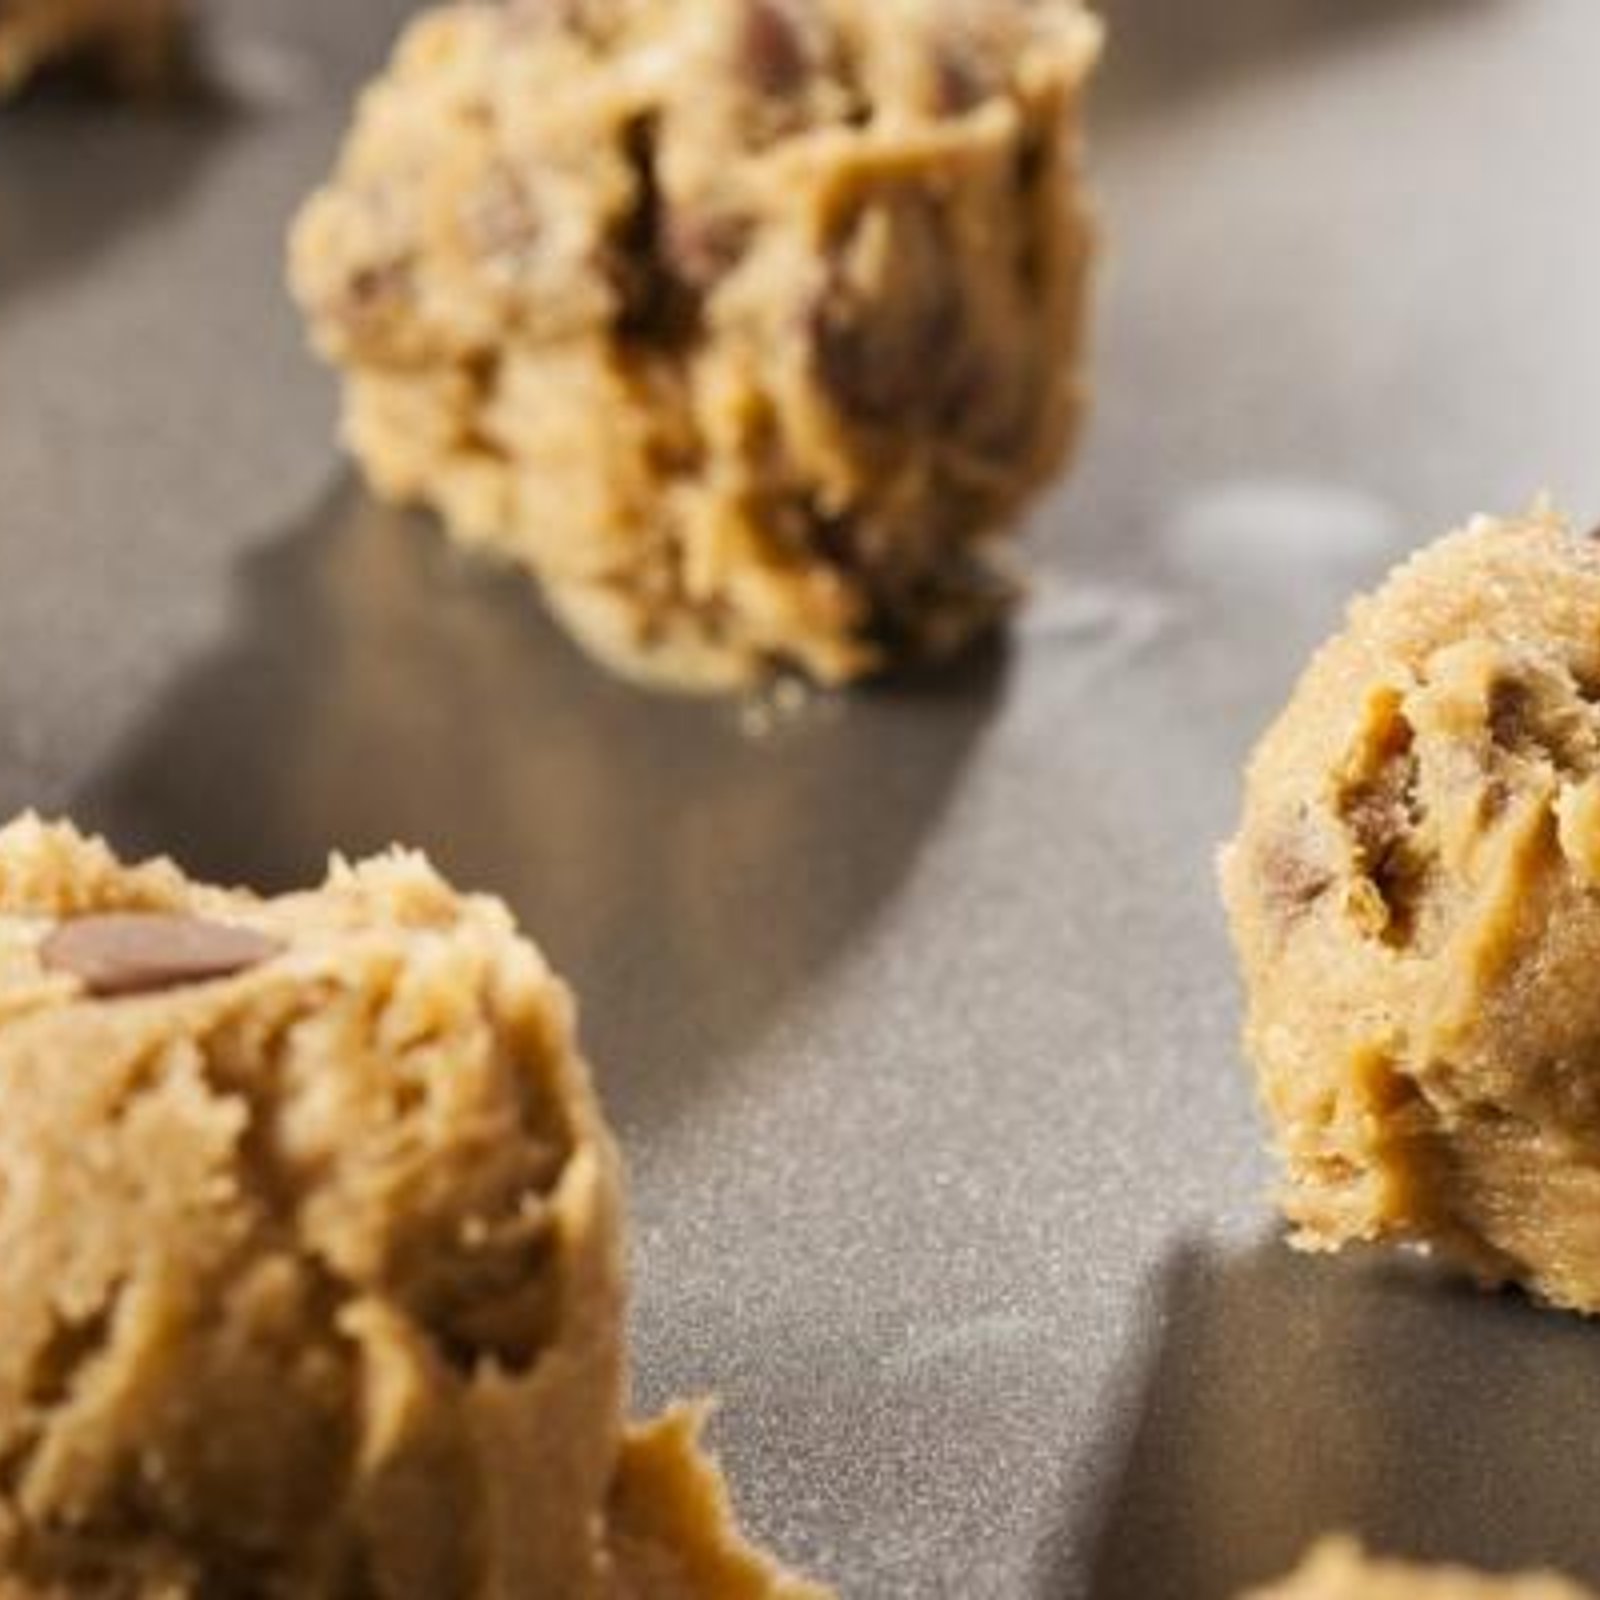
(1337, 1570)
(748, 326)
(310, 1249)
(135, 38)
(1415, 896)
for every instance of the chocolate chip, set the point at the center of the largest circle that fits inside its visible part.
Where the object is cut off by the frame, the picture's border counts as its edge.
(993, 405)
(772, 47)
(1291, 879)
(654, 306)
(891, 342)
(703, 247)
(130, 952)
(1495, 798)
(870, 376)
(895, 366)
(959, 80)
(1510, 712)
(1546, 719)
(1033, 160)
(371, 294)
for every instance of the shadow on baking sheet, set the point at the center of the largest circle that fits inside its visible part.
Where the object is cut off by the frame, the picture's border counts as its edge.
(1288, 1397)
(684, 873)
(1164, 52)
(80, 171)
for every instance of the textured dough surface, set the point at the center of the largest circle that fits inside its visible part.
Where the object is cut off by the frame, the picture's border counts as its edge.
(1415, 897)
(312, 1268)
(1337, 1570)
(134, 37)
(747, 326)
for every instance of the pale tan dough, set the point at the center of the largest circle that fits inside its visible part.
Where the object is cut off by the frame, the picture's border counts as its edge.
(135, 38)
(1338, 1570)
(1415, 897)
(748, 326)
(312, 1266)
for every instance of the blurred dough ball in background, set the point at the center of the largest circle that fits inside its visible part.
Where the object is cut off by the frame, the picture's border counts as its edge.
(137, 43)
(748, 327)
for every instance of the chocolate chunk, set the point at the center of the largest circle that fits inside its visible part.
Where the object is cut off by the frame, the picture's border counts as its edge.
(1384, 813)
(993, 406)
(1495, 798)
(892, 352)
(1550, 720)
(1292, 880)
(655, 307)
(960, 82)
(1034, 158)
(128, 953)
(370, 295)
(898, 369)
(1510, 714)
(871, 375)
(703, 246)
(772, 47)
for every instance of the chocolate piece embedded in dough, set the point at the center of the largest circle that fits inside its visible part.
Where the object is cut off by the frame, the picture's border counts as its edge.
(140, 952)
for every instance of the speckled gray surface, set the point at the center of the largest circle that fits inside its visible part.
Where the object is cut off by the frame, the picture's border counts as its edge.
(916, 1015)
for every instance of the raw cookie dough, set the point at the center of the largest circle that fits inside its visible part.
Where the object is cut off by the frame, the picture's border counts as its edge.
(1337, 1570)
(748, 326)
(1415, 897)
(311, 1257)
(135, 38)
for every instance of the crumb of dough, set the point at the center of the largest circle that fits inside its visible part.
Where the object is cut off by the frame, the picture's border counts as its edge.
(672, 1529)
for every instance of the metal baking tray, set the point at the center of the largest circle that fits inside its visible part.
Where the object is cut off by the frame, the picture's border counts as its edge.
(914, 1009)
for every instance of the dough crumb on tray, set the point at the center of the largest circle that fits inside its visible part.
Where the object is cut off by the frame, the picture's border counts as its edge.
(311, 1249)
(748, 327)
(1339, 1570)
(1415, 898)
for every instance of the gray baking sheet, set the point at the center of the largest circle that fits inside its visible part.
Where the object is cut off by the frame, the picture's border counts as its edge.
(914, 1010)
